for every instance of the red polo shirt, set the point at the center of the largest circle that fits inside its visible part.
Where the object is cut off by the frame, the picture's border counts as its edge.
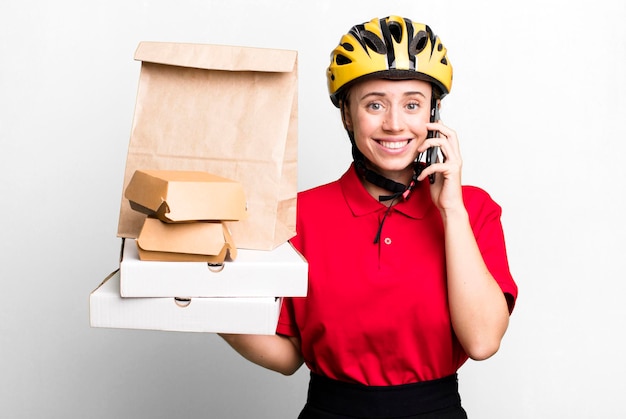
(378, 314)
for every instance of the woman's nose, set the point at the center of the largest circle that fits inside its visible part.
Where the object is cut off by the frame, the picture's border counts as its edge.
(392, 121)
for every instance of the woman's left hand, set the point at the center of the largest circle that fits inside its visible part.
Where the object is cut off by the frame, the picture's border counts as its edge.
(446, 192)
(478, 308)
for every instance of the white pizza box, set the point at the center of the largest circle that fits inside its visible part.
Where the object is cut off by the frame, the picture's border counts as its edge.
(281, 272)
(212, 315)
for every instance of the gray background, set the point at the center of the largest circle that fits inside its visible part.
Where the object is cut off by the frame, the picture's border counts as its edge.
(538, 103)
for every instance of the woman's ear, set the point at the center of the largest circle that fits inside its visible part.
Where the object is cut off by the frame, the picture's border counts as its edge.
(345, 116)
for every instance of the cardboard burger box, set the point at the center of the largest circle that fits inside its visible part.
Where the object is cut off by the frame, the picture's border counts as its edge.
(201, 241)
(227, 315)
(232, 112)
(186, 210)
(186, 195)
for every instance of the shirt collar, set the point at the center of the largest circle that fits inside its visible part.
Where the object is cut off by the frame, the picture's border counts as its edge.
(361, 202)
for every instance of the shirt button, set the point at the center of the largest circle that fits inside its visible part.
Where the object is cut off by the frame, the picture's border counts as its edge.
(387, 240)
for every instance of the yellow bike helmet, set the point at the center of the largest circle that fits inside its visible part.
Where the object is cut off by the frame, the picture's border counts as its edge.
(392, 48)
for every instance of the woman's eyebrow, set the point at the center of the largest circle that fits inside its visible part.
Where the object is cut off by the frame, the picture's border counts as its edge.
(417, 92)
(376, 94)
(382, 94)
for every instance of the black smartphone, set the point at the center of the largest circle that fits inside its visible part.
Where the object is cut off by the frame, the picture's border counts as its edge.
(432, 152)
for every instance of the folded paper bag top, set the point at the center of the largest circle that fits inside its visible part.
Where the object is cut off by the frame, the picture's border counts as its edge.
(181, 195)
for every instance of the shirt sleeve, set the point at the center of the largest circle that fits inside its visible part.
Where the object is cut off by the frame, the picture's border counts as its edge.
(287, 320)
(485, 218)
(286, 323)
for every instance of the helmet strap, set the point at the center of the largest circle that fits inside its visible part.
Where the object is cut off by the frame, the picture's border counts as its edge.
(397, 189)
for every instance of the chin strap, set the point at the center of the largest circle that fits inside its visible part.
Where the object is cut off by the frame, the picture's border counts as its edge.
(397, 189)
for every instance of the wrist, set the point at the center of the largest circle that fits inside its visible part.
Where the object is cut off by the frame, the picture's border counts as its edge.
(454, 214)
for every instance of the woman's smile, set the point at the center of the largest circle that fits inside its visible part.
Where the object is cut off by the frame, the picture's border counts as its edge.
(393, 145)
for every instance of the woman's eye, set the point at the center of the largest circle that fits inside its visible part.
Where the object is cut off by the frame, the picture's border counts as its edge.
(413, 106)
(375, 106)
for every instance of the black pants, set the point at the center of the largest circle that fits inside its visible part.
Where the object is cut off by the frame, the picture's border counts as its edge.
(331, 399)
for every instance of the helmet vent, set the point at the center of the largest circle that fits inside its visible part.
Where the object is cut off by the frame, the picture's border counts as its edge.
(396, 31)
(418, 43)
(374, 43)
(348, 46)
(342, 60)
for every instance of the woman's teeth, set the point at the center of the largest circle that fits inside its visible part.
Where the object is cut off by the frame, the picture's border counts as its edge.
(393, 144)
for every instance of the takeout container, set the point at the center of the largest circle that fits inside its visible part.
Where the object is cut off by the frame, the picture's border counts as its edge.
(231, 112)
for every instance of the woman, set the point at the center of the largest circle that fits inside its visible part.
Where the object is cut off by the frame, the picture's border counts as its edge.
(408, 274)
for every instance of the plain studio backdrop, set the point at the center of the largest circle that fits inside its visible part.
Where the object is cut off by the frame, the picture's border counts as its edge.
(538, 103)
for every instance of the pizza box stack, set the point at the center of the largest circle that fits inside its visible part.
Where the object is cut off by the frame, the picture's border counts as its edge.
(184, 271)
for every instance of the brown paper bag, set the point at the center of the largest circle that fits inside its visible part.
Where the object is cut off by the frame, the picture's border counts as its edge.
(231, 111)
